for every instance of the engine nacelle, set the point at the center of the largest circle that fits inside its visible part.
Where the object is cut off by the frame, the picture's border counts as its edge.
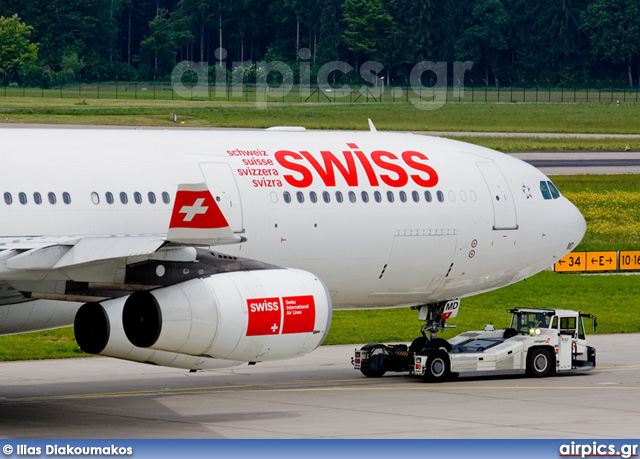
(249, 316)
(98, 330)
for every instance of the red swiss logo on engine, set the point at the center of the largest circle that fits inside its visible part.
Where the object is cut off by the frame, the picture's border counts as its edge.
(265, 316)
(275, 316)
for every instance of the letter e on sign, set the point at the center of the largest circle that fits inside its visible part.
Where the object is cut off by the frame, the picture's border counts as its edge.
(602, 261)
(265, 316)
(299, 314)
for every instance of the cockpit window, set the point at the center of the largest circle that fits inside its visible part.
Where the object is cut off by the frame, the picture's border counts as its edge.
(544, 188)
(554, 191)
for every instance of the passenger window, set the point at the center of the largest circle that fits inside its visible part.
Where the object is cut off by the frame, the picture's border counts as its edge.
(427, 196)
(300, 196)
(352, 196)
(474, 196)
(544, 188)
(377, 196)
(390, 196)
(326, 197)
(23, 198)
(8, 199)
(554, 191)
(313, 196)
(137, 197)
(152, 197)
(403, 196)
(66, 198)
(339, 197)
(37, 198)
(365, 196)
(440, 196)
(452, 196)
(52, 198)
(95, 198)
(166, 198)
(463, 196)
(416, 196)
(124, 199)
(109, 197)
(287, 197)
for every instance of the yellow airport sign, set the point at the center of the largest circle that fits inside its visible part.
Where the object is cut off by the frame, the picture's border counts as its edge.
(629, 260)
(602, 261)
(573, 262)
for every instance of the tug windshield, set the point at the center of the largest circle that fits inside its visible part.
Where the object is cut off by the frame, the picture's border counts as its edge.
(525, 321)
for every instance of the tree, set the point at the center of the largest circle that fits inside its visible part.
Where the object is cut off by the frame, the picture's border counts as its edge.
(367, 24)
(614, 31)
(166, 34)
(16, 51)
(487, 37)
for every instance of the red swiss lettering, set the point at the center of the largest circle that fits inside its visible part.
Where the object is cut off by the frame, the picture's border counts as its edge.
(403, 177)
(371, 174)
(265, 316)
(430, 171)
(307, 178)
(327, 174)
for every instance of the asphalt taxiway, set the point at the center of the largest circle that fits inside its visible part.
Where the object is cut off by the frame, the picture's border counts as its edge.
(317, 396)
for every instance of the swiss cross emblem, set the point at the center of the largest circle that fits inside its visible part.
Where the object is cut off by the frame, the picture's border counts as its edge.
(195, 209)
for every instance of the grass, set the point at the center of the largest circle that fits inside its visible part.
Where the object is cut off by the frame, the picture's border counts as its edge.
(610, 205)
(50, 344)
(478, 117)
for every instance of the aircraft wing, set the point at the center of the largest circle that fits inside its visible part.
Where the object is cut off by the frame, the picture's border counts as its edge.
(78, 267)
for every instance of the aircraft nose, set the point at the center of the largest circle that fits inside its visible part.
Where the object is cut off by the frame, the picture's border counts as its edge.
(575, 223)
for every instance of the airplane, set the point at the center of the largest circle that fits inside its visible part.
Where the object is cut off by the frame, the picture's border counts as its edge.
(208, 249)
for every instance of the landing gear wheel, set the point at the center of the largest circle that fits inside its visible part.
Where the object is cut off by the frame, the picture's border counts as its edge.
(538, 362)
(421, 343)
(438, 367)
(418, 344)
(439, 343)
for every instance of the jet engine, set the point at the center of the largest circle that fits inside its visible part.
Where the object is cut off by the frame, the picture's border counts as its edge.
(247, 316)
(98, 330)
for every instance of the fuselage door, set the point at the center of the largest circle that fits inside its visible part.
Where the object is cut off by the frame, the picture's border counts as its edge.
(504, 207)
(224, 188)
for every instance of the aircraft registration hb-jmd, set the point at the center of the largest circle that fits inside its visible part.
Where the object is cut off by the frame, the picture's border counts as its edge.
(208, 249)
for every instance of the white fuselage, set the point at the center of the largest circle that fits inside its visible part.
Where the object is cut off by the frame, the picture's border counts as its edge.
(487, 224)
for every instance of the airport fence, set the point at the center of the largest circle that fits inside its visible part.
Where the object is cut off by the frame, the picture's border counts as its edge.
(512, 93)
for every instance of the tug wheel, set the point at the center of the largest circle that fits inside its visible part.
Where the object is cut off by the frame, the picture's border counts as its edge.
(538, 362)
(438, 366)
(373, 373)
